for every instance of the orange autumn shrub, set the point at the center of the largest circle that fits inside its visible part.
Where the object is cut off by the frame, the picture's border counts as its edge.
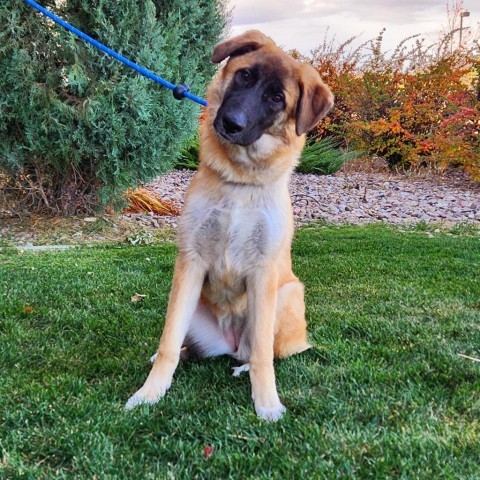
(418, 119)
(457, 141)
(409, 108)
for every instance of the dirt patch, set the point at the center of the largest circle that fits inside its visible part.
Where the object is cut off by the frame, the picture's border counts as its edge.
(40, 230)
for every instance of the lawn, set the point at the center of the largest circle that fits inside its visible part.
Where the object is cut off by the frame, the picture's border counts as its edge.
(383, 394)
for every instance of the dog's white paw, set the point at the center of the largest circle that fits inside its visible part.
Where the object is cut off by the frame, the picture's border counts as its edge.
(242, 368)
(270, 414)
(146, 396)
(153, 357)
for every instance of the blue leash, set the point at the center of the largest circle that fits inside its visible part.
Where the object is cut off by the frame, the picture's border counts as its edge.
(180, 91)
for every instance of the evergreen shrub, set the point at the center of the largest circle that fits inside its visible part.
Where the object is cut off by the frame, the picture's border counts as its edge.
(77, 128)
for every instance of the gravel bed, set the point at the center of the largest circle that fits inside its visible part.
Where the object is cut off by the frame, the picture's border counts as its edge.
(354, 198)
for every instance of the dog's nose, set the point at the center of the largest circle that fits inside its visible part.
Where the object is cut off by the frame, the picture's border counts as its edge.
(234, 122)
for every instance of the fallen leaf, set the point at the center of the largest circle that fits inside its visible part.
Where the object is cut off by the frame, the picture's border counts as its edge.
(208, 451)
(28, 309)
(137, 297)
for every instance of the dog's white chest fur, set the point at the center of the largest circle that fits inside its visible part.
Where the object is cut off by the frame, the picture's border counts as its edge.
(235, 234)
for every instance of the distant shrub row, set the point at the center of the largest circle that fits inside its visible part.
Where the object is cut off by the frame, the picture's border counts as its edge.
(417, 107)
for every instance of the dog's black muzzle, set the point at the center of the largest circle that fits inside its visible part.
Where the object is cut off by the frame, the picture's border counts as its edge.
(242, 118)
(236, 125)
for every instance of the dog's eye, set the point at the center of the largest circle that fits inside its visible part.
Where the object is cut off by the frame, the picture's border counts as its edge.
(246, 75)
(277, 98)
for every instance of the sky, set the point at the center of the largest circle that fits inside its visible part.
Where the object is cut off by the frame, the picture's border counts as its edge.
(303, 24)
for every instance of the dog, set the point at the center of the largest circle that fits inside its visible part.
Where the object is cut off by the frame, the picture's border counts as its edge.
(233, 289)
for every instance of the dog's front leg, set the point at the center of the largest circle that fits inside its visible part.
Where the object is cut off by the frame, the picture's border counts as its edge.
(187, 285)
(262, 300)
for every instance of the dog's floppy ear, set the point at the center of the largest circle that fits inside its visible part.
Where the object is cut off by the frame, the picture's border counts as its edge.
(239, 45)
(314, 102)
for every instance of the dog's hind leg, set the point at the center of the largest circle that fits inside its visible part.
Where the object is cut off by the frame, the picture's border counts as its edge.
(290, 326)
(205, 337)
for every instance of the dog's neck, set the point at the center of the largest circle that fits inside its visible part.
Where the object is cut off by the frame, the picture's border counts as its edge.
(266, 161)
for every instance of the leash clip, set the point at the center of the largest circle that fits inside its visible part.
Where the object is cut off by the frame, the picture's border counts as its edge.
(179, 91)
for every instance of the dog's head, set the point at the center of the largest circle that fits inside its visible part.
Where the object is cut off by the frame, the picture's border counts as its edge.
(263, 91)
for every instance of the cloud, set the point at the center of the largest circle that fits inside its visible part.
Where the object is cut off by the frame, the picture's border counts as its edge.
(391, 11)
(261, 11)
(394, 11)
(302, 24)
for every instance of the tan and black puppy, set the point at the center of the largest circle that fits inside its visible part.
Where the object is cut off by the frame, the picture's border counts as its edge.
(233, 290)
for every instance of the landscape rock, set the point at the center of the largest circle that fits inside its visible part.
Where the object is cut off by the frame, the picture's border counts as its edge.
(359, 198)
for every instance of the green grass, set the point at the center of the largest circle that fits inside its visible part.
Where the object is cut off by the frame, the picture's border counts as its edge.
(382, 395)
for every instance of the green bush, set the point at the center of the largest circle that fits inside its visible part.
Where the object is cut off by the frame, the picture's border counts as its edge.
(323, 156)
(319, 156)
(188, 156)
(77, 128)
